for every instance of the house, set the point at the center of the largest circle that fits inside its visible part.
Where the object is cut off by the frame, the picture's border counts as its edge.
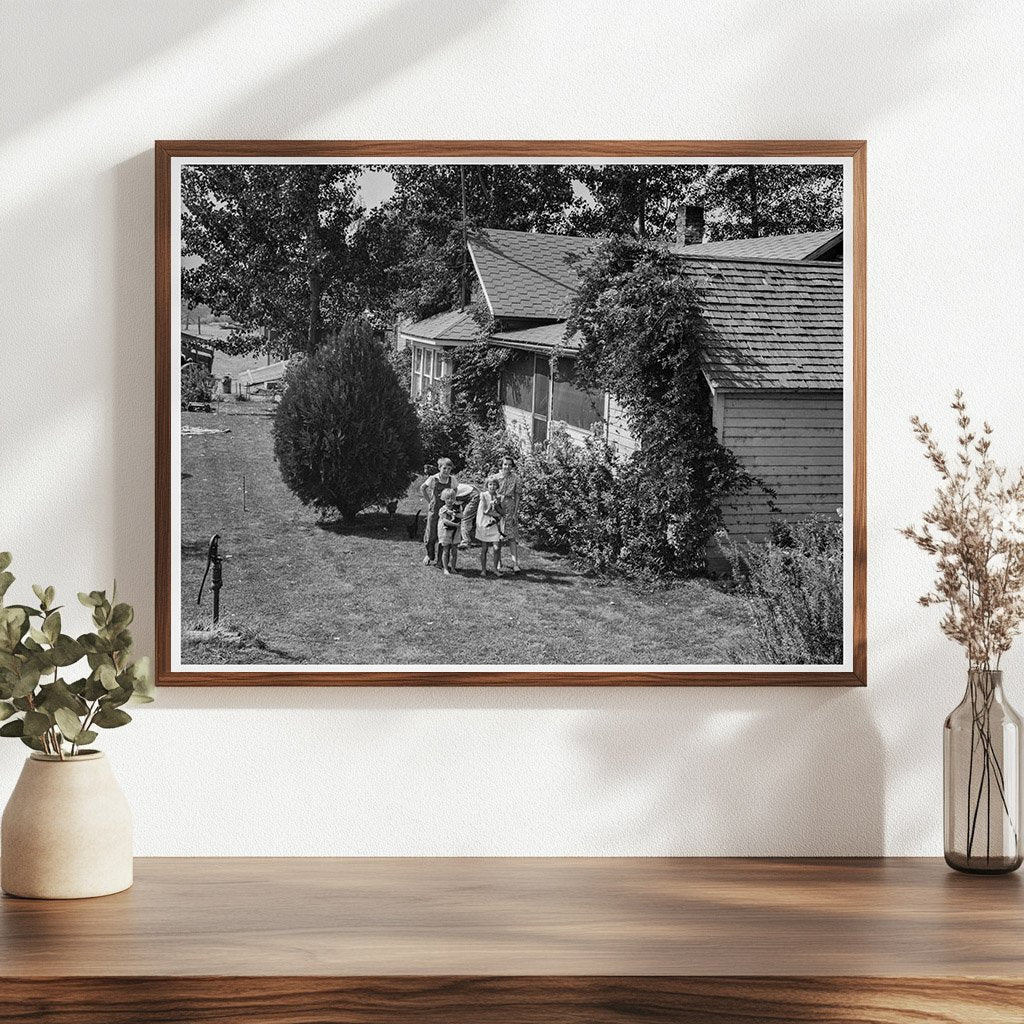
(773, 360)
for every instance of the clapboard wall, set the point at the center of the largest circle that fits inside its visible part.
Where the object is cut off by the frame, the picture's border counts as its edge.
(793, 442)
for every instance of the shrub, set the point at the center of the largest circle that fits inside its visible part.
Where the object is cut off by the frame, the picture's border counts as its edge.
(196, 385)
(345, 433)
(444, 430)
(794, 588)
(487, 446)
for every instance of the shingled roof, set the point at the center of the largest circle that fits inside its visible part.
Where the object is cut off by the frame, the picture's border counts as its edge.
(455, 325)
(526, 274)
(773, 324)
(803, 246)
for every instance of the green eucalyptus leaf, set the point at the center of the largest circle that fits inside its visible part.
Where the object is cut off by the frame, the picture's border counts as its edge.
(115, 698)
(110, 717)
(16, 727)
(51, 626)
(69, 724)
(31, 741)
(36, 723)
(27, 682)
(66, 651)
(40, 593)
(89, 600)
(6, 579)
(22, 703)
(107, 676)
(86, 736)
(9, 663)
(94, 689)
(38, 636)
(122, 616)
(6, 710)
(50, 595)
(5, 559)
(59, 695)
(97, 646)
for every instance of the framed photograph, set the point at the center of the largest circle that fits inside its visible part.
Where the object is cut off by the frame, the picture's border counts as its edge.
(510, 413)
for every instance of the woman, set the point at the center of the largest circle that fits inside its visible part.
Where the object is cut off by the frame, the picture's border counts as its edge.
(431, 489)
(510, 490)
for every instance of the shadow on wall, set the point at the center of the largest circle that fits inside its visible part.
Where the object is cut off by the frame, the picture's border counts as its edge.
(393, 39)
(748, 772)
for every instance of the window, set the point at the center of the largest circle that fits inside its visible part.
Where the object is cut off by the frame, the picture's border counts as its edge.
(429, 367)
(571, 404)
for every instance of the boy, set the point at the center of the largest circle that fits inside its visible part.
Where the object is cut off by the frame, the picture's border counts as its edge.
(449, 523)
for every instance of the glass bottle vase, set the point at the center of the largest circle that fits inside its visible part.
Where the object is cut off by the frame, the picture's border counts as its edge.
(981, 770)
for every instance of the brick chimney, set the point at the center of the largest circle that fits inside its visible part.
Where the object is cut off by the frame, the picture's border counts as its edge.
(690, 225)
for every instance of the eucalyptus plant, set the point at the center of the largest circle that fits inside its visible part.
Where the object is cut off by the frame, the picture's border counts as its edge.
(37, 704)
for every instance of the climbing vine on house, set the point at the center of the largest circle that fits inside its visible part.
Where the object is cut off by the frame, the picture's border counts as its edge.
(642, 329)
(476, 372)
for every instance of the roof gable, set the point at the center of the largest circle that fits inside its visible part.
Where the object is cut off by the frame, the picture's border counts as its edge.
(525, 274)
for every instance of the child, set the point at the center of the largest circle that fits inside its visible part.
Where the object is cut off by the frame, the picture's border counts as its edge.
(448, 525)
(431, 489)
(488, 526)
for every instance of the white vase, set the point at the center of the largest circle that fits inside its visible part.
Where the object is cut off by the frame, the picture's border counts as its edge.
(66, 831)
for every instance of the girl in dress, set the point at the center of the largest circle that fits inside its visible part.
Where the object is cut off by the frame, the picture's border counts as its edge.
(488, 525)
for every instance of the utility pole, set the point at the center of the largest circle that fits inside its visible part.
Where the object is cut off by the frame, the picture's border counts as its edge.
(463, 284)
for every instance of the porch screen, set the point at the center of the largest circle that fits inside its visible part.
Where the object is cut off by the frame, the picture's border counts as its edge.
(571, 404)
(517, 382)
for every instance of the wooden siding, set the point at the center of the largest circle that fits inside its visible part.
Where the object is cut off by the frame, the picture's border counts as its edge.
(794, 443)
(620, 437)
(518, 422)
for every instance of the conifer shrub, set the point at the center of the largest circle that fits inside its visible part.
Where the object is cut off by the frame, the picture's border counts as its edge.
(346, 435)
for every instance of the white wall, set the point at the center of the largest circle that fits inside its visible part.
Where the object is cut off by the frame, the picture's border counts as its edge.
(86, 87)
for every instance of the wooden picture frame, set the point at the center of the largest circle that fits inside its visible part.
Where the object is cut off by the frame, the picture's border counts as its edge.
(853, 155)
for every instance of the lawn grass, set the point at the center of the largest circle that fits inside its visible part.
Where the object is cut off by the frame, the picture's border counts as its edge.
(301, 591)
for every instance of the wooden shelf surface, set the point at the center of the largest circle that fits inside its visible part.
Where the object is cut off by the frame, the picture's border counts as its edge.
(358, 931)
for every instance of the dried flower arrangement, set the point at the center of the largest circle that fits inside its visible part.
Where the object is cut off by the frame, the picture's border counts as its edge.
(975, 530)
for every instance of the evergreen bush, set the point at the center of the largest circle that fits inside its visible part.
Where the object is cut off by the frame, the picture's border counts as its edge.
(346, 435)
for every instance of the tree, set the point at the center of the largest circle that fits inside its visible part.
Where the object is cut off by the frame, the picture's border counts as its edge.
(411, 253)
(752, 200)
(740, 200)
(346, 434)
(268, 247)
(643, 332)
(631, 199)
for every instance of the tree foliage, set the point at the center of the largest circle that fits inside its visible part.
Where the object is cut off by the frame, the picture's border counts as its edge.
(643, 334)
(739, 200)
(411, 246)
(345, 433)
(267, 245)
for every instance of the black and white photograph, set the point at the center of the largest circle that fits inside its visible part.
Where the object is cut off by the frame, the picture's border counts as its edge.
(511, 414)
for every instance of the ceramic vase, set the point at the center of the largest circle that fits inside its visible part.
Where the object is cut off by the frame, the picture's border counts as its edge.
(66, 831)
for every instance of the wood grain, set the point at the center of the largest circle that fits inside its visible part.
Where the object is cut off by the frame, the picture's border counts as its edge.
(573, 941)
(522, 1000)
(166, 150)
